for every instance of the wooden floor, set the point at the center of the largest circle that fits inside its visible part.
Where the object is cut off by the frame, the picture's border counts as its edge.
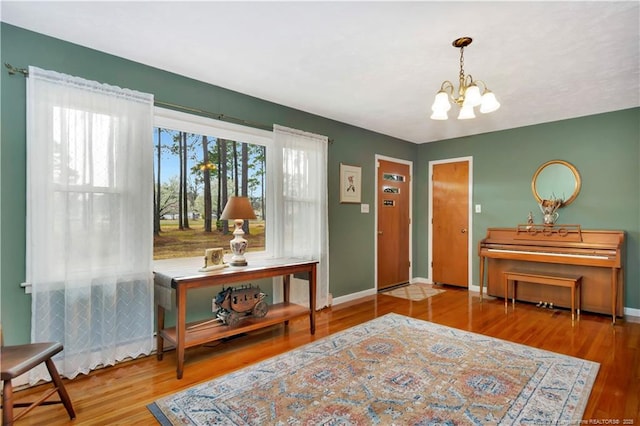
(119, 395)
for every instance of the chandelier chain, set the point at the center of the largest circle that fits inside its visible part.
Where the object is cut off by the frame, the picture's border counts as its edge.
(462, 64)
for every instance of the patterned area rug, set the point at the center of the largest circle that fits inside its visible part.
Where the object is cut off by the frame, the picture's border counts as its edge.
(414, 292)
(393, 370)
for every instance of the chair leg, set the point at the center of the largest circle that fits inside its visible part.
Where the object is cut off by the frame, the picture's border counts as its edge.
(57, 381)
(7, 403)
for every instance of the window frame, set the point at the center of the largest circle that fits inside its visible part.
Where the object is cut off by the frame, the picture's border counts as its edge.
(192, 123)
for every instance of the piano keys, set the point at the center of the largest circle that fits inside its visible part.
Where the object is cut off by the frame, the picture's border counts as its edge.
(596, 255)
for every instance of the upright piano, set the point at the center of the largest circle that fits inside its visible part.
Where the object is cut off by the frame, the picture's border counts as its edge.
(596, 255)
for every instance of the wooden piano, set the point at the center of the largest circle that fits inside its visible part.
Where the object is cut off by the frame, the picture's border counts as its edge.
(596, 255)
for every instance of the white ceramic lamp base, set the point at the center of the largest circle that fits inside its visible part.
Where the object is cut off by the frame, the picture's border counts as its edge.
(238, 245)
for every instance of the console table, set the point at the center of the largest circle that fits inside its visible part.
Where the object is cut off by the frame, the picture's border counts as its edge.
(181, 275)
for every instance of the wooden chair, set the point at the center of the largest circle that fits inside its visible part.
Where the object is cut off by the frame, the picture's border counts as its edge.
(17, 360)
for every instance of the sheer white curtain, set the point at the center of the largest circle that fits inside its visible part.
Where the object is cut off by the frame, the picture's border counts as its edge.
(89, 220)
(298, 174)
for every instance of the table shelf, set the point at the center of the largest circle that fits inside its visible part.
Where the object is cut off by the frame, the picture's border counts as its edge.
(201, 332)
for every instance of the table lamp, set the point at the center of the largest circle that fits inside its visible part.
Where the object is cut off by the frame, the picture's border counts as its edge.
(238, 209)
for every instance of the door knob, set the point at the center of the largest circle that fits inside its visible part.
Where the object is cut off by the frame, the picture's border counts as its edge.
(379, 232)
(463, 230)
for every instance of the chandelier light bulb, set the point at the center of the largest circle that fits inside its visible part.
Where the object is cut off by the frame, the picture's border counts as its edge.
(439, 115)
(489, 102)
(472, 96)
(466, 112)
(441, 102)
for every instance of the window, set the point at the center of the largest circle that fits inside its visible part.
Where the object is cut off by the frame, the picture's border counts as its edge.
(200, 162)
(84, 153)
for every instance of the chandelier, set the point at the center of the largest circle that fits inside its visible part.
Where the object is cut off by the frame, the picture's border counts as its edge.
(468, 95)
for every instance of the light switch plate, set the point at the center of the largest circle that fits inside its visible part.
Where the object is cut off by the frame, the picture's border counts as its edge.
(364, 208)
(478, 208)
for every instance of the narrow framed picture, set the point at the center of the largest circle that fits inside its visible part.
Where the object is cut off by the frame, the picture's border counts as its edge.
(350, 184)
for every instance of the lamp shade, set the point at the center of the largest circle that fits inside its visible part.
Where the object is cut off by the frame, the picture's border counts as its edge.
(472, 96)
(441, 103)
(466, 112)
(439, 115)
(238, 208)
(489, 103)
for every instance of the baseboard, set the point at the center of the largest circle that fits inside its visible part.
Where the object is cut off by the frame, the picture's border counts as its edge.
(632, 314)
(369, 292)
(421, 280)
(353, 296)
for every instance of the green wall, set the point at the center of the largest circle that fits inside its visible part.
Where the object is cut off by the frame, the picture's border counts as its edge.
(604, 148)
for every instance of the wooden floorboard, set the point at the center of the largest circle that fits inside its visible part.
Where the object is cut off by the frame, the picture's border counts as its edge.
(120, 394)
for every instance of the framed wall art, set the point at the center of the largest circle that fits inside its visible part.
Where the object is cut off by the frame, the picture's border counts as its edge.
(350, 184)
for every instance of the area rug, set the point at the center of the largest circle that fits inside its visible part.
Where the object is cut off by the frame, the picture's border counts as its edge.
(415, 292)
(393, 370)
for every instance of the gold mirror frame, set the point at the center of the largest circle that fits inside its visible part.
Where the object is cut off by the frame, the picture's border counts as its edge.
(576, 181)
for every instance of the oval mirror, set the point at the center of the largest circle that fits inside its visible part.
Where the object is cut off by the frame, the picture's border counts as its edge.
(556, 179)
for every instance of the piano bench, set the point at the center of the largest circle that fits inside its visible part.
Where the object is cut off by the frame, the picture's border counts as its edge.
(571, 281)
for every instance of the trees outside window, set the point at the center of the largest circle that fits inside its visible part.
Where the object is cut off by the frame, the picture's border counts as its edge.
(198, 164)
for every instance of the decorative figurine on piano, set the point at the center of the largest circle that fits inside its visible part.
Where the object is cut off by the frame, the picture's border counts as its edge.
(549, 210)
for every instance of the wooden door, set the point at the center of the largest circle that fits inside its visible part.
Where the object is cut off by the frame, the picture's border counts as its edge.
(394, 186)
(450, 202)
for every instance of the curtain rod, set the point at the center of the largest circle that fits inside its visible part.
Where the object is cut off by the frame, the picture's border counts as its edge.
(13, 70)
(218, 116)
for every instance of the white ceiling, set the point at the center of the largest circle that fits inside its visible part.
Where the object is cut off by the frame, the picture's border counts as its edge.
(375, 65)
